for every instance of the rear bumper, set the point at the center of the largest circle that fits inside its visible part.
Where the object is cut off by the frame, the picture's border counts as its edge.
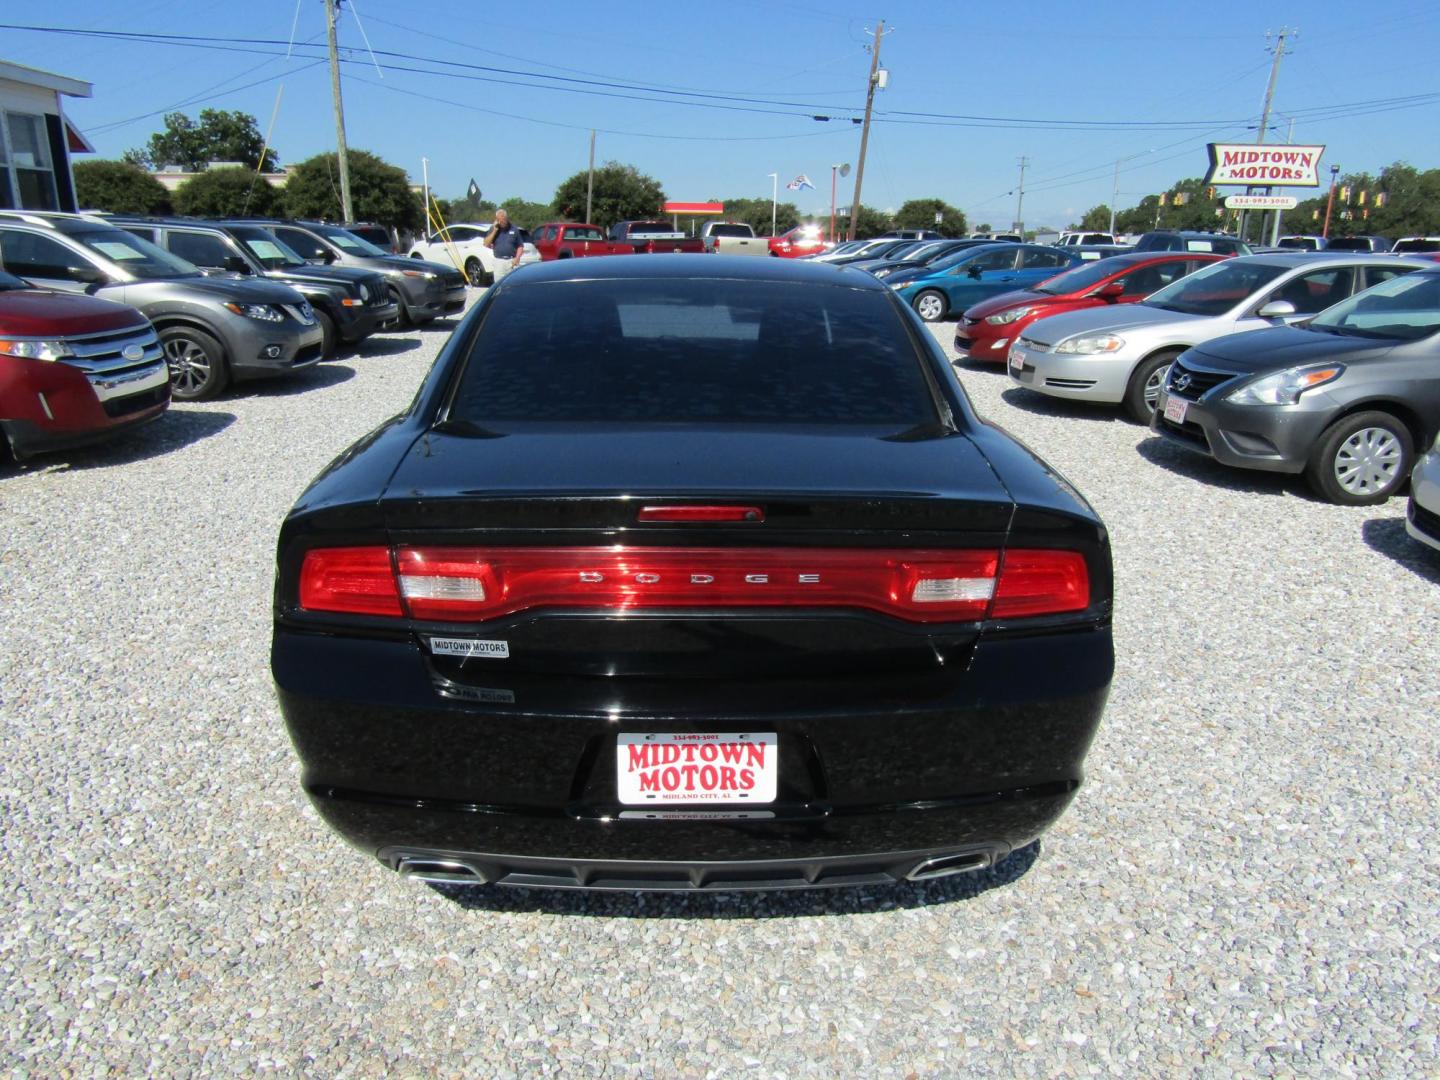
(507, 778)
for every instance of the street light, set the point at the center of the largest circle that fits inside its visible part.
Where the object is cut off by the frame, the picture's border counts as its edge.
(842, 170)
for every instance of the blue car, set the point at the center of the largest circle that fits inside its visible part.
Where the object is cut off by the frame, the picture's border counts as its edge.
(957, 281)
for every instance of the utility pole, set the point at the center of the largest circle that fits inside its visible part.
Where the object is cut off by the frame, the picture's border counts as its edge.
(346, 210)
(1020, 206)
(774, 199)
(1275, 225)
(865, 130)
(1115, 197)
(1279, 52)
(590, 183)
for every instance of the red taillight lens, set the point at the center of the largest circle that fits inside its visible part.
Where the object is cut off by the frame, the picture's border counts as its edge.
(453, 584)
(1041, 583)
(354, 579)
(696, 514)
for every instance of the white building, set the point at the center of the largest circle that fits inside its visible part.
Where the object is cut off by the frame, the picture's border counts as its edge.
(36, 139)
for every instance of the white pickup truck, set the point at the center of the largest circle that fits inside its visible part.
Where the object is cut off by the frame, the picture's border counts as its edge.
(732, 238)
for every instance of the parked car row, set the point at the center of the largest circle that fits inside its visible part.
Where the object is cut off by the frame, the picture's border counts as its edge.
(105, 318)
(1406, 245)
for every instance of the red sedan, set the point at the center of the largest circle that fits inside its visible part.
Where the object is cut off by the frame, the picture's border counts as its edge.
(799, 241)
(73, 369)
(987, 329)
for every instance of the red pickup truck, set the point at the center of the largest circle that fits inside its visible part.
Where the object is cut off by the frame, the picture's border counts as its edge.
(800, 241)
(568, 240)
(645, 237)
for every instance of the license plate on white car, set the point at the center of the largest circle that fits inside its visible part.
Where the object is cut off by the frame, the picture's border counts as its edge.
(1175, 410)
(1017, 358)
(683, 767)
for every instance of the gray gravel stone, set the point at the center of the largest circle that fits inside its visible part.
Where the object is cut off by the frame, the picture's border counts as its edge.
(1247, 885)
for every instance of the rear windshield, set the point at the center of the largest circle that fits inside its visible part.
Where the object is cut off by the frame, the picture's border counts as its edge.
(731, 230)
(1215, 289)
(376, 234)
(1347, 243)
(703, 352)
(1418, 243)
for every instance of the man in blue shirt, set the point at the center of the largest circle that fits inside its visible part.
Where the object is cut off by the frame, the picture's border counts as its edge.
(504, 240)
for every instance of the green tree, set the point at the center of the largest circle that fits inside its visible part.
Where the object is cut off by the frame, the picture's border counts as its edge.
(869, 222)
(756, 214)
(920, 214)
(227, 193)
(527, 214)
(622, 192)
(220, 135)
(379, 191)
(119, 187)
(465, 209)
(1096, 219)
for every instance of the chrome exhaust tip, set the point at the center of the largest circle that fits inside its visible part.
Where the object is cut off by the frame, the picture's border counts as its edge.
(438, 870)
(939, 866)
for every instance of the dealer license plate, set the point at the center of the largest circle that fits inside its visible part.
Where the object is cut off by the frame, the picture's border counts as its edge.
(1175, 409)
(1017, 358)
(683, 767)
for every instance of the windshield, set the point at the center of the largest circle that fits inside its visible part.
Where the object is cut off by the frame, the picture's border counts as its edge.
(1215, 289)
(138, 257)
(709, 351)
(346, 241)
(925, 252)
(1405, 308)
(1084, 276)
(271, 252)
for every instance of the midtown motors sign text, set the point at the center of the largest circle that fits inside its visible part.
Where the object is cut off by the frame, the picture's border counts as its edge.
(1273, 166)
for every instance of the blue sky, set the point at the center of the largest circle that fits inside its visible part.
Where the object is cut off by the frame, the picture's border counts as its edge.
(1150, 82)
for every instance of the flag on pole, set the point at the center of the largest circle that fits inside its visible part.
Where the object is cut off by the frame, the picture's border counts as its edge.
(473, 191)
(799, 183)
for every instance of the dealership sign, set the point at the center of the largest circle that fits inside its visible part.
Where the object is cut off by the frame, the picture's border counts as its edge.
(1274, 166)
(1260, 202)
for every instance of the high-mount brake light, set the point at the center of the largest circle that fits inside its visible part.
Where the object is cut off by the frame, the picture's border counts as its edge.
(700, 514)
(466, 584)
(357, 580)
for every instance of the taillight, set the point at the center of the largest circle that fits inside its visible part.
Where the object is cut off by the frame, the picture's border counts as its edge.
(359, 580)
(455, 584)
(697, 514)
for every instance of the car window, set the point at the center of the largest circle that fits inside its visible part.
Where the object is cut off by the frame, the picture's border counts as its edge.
(272, 252)
(1317, 290)
(305, 245)
(1406, 307)
(1216, 288)
(1145, 280)
(1374, 275)
(202, 249)
(1004, 259)
(1043, 260)
(30, 256)
(142, 231)
(676, 351)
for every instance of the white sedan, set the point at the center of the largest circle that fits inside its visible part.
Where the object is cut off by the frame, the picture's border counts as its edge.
(463, 247)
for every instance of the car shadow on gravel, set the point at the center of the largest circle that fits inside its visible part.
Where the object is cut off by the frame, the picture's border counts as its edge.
(381, 346)
(1389, 538)
(968, 367)
(1041, 405)
(311, 378)
(175, 430)
(860, 900)
(1193, 466)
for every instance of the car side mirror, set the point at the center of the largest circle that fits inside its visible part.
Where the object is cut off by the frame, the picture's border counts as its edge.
(1277, 309)
(975, 271)
(89, 275)
(1112, 291)
(236, 265)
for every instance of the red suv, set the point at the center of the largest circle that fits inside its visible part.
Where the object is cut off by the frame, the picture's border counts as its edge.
(73, 369)
(987, 329)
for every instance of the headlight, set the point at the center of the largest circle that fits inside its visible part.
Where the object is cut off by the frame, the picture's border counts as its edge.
(898, 284)
(364, 292)
(426, 274)
(1285, 387)
(36, 350)
(1088, 346)
(1007, 317)
(263, 312)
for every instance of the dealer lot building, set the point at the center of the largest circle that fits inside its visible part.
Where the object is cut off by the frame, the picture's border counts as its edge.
(36, 139)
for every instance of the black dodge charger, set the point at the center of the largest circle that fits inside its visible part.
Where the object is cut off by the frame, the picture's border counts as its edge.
(691, 574)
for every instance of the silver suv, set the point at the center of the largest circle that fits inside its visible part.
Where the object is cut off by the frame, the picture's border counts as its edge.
(213, 329)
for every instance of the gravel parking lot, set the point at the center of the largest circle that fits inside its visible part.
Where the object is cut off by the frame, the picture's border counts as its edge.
(1248, 884)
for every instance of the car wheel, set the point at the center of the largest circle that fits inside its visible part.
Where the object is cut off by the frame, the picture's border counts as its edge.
(328, 338)
(475, 273)
(197, 363)
(1361, 460)
(1146, 382)
(402, 318)
(930, 305)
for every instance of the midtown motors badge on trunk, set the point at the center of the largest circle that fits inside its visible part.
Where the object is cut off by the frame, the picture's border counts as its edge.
(466, 648)
(697, 767)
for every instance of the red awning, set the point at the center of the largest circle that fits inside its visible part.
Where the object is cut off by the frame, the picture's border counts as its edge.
(694, 208)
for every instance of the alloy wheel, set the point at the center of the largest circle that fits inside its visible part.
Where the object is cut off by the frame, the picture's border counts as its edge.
(190, 368)
(1367, 461)
(1153, 386)
(930, 308)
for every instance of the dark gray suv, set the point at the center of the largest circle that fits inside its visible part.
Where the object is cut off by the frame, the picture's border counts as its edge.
(213, 329)
(1344, 398)
(422, 290)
